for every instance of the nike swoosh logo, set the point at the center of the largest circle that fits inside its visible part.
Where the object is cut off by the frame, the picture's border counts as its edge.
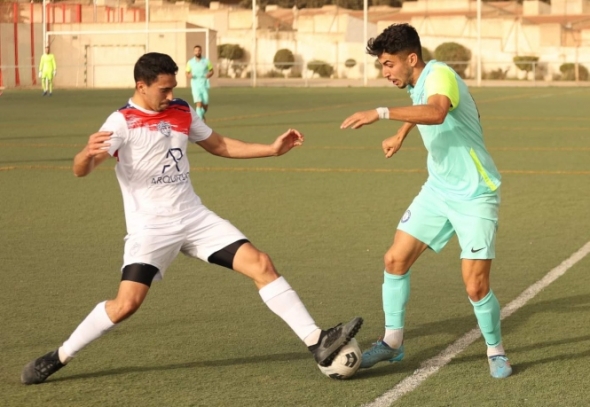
(475, 251)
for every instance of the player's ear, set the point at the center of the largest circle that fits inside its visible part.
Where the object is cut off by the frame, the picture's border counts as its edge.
(413, 59)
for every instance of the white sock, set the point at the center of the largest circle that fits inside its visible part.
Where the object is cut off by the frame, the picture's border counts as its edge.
(496, 350)
(394, 337)
(284, 301)
(313, 338)
(93, 327)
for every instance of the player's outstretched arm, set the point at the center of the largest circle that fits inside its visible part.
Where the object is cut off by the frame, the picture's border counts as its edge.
(93, 154)
(433, 112)
(359, 119)
(219, 145)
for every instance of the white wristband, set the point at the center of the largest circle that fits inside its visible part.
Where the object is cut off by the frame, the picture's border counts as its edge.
(383, 113)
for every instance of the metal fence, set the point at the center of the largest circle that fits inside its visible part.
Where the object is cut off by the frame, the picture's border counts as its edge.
(309, 73)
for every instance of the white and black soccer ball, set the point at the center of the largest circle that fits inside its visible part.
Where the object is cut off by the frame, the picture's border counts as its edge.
(346, 363)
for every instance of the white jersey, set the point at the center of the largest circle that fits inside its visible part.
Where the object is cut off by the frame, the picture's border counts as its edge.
(152, 166)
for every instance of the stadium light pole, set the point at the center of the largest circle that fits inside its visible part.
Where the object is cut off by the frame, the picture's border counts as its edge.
(478, 43)
(253, 58)
(365, 39)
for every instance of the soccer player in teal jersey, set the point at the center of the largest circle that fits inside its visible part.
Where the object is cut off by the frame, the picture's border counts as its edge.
(47, 70)
(199, 70)
(461, 195)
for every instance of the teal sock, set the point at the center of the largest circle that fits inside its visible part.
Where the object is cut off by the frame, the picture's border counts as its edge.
(487, 312)
(396, 292)
(201, 112)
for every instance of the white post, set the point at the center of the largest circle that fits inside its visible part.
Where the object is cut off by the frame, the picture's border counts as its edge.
(253, 56)
(207, 50)
(44, 18)
(365, 39)
(577, 65)
(147, 26)
(478, 42)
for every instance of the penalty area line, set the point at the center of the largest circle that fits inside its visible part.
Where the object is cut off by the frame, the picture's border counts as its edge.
(433, 365)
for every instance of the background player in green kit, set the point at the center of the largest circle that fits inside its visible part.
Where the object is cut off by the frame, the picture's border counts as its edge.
(47, 70)
(461, 195)
(199, 70)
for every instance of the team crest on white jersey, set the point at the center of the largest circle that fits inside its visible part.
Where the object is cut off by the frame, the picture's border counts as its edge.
(165, 128)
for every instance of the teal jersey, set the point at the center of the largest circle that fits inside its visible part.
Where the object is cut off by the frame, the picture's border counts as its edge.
(459, 165)
(199, 70)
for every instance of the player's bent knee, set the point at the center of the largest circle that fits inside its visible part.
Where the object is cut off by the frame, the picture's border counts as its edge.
(477, 291)
(122, 309)
(395, 264)
(265, 264)
(264, 271)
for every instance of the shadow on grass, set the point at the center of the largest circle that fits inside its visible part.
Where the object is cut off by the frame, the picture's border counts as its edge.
(281, 357)
(460, 325)
(457, 326)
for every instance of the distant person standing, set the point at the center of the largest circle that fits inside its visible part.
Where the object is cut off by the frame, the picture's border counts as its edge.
(199, 70)
(47, 71)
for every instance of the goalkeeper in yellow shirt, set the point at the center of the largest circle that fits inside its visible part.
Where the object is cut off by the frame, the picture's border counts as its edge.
(47, 70)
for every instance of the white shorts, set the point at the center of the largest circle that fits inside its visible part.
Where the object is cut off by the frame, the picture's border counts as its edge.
(199, 235)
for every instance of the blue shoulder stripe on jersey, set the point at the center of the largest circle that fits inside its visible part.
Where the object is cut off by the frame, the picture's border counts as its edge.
(179, 102)
(127, 106)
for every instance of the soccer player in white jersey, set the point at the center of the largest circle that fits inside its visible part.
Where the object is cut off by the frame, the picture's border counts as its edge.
(164, 216)
(461, 195)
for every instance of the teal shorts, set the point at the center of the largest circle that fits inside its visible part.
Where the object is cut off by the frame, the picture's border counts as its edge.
(434, 219)
(200, 94)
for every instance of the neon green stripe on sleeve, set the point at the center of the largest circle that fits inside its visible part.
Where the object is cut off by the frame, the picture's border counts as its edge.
(442, 81)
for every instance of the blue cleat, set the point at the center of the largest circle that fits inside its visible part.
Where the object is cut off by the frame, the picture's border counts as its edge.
(499, 366)
(380, 352)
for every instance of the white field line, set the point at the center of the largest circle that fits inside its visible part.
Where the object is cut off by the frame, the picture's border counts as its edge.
(433, 365)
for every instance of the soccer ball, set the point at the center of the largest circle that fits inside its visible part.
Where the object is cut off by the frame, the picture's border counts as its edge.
(346, 362)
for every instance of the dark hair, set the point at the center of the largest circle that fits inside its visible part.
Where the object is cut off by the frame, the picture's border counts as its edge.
(396, 39)
(150, 65)
(197, 46)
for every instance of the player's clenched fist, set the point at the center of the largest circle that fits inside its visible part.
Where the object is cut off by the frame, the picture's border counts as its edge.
(98, 143)
(392, 145)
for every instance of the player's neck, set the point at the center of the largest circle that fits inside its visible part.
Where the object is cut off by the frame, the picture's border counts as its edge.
(417, 72)
(138, 101)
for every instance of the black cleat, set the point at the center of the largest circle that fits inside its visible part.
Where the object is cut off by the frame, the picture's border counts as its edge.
(38, 370)
(333, 339)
